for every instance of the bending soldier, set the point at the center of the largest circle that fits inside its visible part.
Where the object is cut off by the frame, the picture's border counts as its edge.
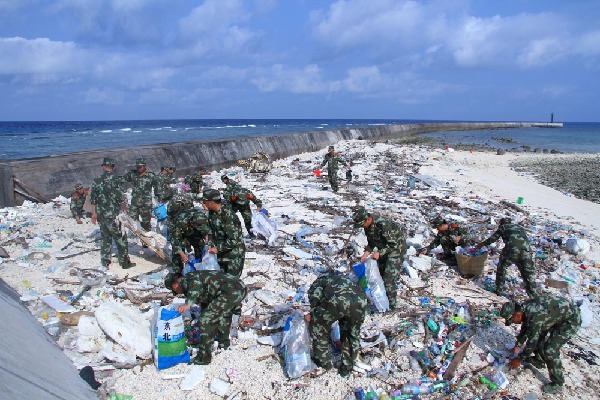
(77, 202)
(547, 323)
(516, 250)
(190, 227)
(336, 298)
(240, 199)
(449, 236)
(220, 295)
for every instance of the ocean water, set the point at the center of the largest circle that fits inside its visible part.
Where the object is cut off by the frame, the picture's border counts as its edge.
(573, 137)
(20, 140)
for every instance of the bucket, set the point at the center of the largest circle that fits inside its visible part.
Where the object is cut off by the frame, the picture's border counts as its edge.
(317, 172)
(519, 200)
(160, 212)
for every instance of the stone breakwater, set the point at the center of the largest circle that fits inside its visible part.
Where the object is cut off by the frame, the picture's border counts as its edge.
(56, 175)
(574, 174)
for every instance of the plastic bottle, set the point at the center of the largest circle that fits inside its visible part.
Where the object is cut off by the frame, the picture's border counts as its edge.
(412, 388)
(490, 385)
(433, 325)
(359, 393)
(439, 385)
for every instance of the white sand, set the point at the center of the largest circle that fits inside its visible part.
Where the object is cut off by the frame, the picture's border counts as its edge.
(476, 181)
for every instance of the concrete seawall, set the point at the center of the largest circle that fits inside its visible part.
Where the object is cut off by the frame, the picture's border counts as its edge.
(55, 175)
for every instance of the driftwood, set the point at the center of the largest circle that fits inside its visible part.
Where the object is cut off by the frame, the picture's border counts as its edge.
(30, 192)
(145, 299)
(513, 206)
(459, 354)
(132, 226)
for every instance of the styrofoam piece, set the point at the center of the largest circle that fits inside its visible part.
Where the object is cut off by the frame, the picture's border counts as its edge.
(219, 387)
(193, 379)
(297, 253)
(266, 297)
(127, 327)
(272, 340)
(57, 304)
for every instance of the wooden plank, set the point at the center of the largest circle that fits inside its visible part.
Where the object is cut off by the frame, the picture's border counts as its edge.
(7, 188)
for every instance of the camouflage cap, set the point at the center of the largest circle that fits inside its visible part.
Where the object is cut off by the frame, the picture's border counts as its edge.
(224, 178)
(211, 195)
(331, 148)
(507, 311)
(359, 217)
(505, 220)
(179, 203)
(171, 168)
(78, 186)
(140, 162)
(437, 221)
(108, 161)
(170, 279)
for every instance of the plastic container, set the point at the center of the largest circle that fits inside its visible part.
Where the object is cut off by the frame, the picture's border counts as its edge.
(160, 212)
(412, 388)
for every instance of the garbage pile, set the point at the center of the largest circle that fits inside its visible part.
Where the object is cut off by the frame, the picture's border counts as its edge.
(445, 339)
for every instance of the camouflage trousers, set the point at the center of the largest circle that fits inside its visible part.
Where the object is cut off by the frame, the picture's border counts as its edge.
(333, 179)
(390, 268)
(551, 341)
(141, 211)
(523, 259)
(350, 312)
(215, 322)
(110, 231)
(232, 262)
(197, 243)
(246, 215)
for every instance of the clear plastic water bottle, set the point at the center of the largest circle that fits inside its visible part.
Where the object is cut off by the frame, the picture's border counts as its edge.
(412, 388)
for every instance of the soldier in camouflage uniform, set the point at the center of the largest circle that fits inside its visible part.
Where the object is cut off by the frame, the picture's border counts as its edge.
(163, 182)
(450, 235)
(516, 250)
(226, 239)
(336, 298)
(240, 199)
(106, 197)
(142, 182)
(196, 182)
(547, 323)
(220, 295)
(332, 159)
(389, 239)
(190, 228)
(77, 202)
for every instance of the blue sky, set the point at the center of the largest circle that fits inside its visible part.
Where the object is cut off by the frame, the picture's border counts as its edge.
(446, 59)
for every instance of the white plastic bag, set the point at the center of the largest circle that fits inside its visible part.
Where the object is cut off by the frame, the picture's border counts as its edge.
(376, 286)
(296, 346)
(209, 262)
(261, 225)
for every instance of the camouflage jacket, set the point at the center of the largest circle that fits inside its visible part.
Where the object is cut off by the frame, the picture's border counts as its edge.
(142, 185)
(107, 195)
(202, 287)
(513, 235)
(188, 223)
(195, 182)
(539, 315)
(163, 185)
(452, 232)
(387, 235)
(332, 285)
(234, 193)
(332, 161)
(77, 202)
(226, 230)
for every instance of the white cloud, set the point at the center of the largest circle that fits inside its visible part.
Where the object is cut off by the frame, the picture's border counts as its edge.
(407, 31)
(295, 80)
(40, 56)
